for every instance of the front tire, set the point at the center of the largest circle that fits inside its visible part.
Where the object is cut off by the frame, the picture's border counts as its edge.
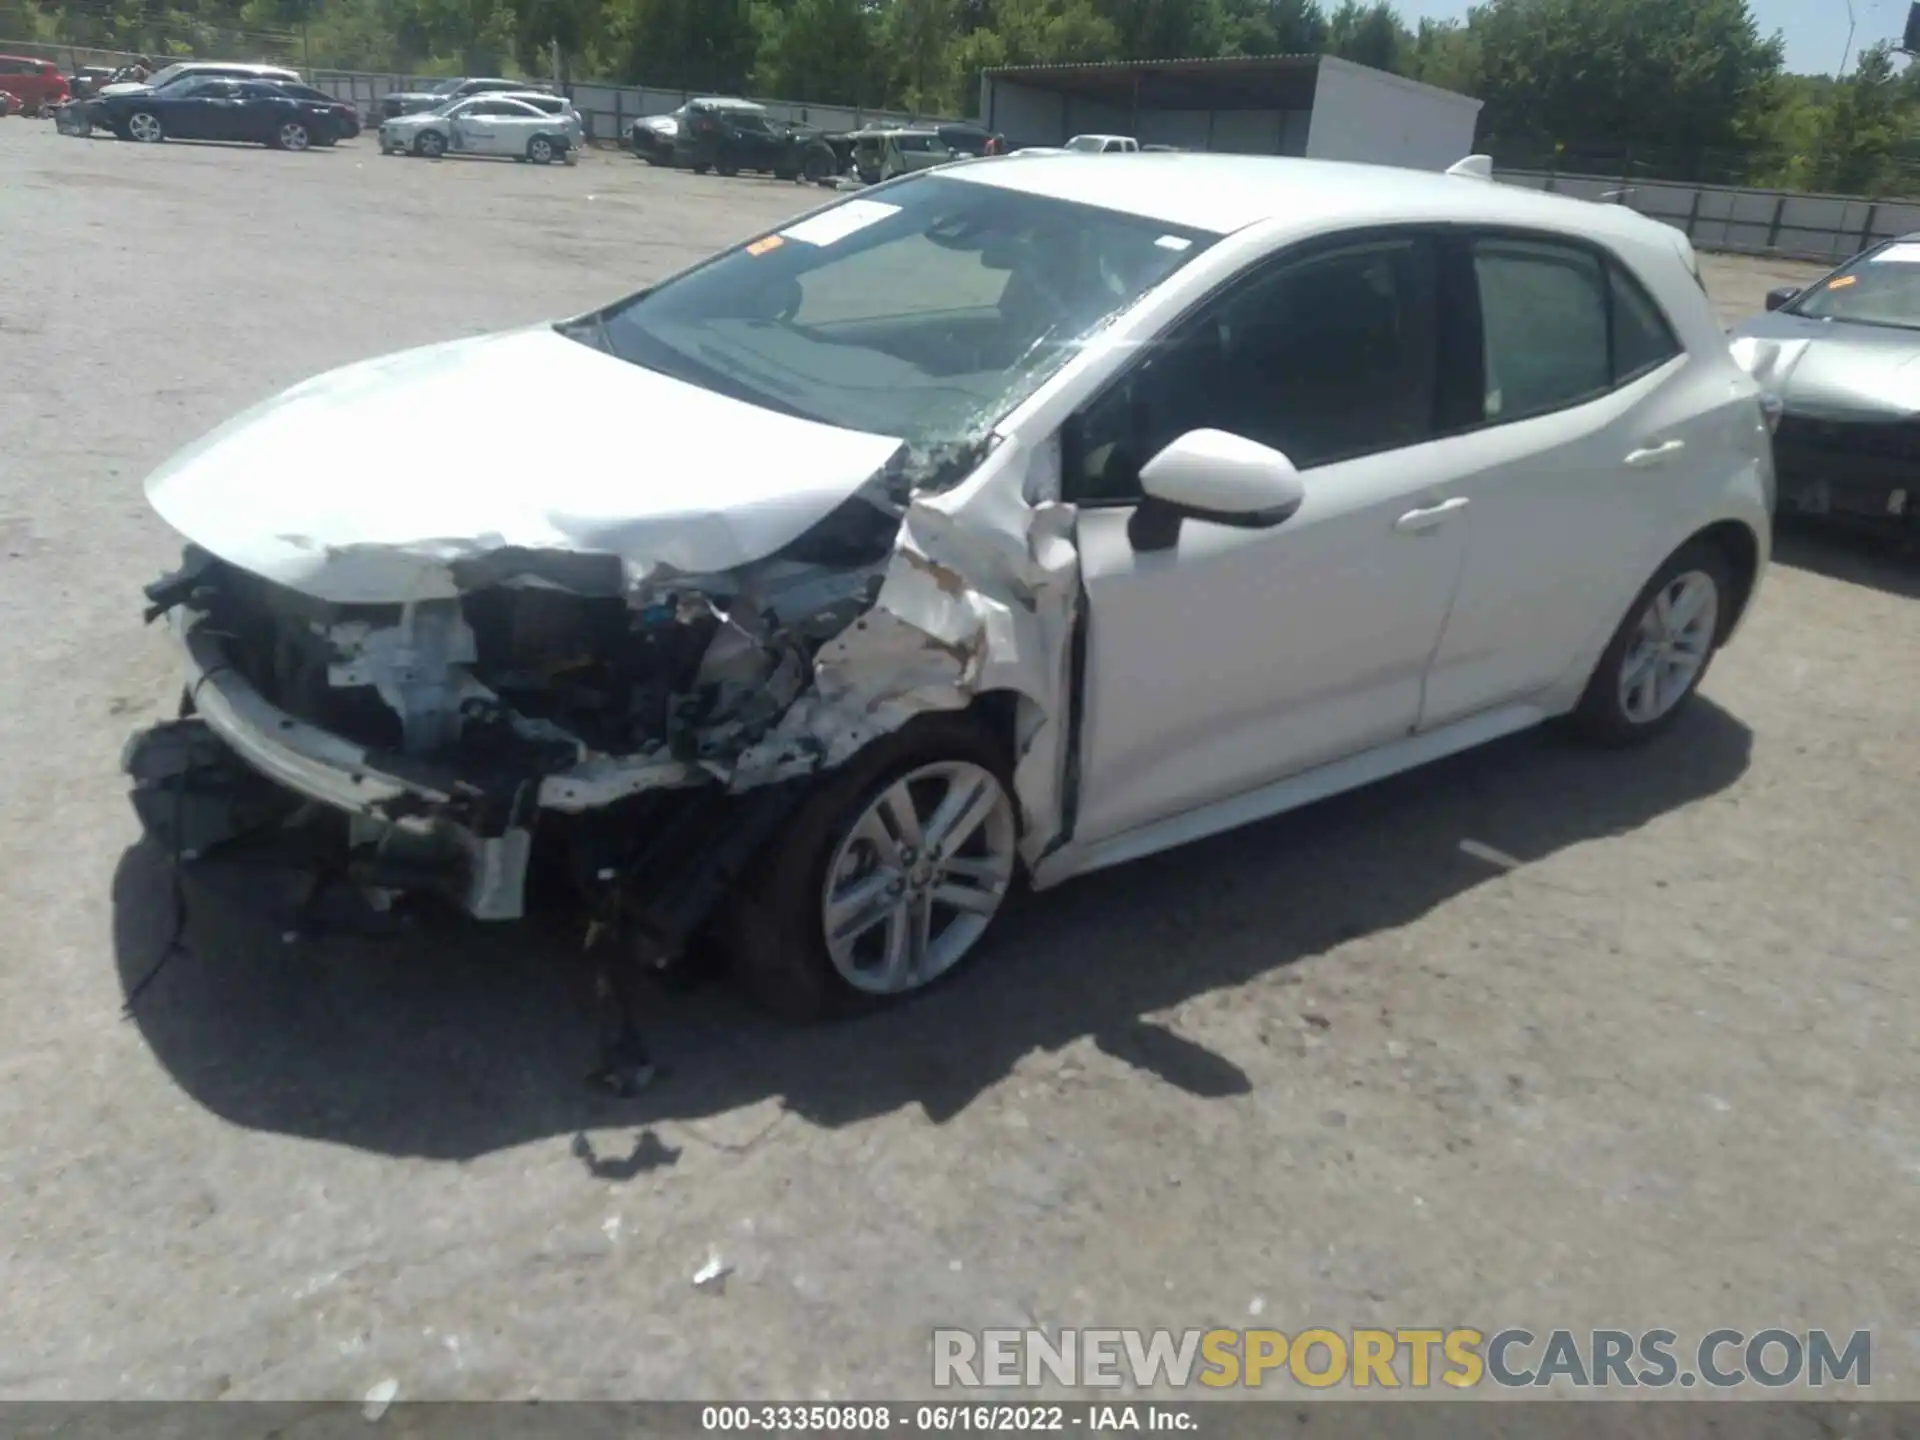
(430, 145)
(145, 127)
(886, 878)
(540, 150)
(1657, 658)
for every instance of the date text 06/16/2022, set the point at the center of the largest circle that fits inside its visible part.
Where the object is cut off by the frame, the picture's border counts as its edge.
(881, 1419)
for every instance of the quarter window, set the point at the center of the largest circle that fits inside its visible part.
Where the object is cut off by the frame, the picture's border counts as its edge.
(1642, 339)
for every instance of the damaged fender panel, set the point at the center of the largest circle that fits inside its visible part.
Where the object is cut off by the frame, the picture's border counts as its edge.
(981, 595)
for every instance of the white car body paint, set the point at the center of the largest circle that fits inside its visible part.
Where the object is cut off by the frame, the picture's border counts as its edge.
(1359, 643)
(360, 485)
(489, 124)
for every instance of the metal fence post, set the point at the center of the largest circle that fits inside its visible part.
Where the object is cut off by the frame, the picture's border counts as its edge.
(1693, 214)
(1866, 230)
(1773, 230)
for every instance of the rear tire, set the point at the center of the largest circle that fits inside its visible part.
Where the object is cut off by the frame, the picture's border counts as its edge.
(540, 150)
(820, 164)
(1653, 665)
(291, 136)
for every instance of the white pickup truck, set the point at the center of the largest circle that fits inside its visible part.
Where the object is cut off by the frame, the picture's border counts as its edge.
(1087, 145)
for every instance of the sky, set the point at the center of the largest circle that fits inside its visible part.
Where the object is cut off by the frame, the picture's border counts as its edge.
(1815, 30)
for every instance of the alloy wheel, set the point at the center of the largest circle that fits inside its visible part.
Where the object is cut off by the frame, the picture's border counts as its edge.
(293, 136)
(918, 877)
(144, 128)
(1670, 646)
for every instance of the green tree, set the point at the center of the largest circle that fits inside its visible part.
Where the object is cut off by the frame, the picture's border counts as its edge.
(1676, 77)
(824, 50)
(1367, 35)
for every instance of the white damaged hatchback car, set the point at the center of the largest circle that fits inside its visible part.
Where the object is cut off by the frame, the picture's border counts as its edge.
(1017, 519)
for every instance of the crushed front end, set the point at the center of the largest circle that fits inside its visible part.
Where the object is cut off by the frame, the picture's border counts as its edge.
(436, 737)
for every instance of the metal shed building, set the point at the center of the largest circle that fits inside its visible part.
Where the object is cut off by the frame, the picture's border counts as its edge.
(1308, 105)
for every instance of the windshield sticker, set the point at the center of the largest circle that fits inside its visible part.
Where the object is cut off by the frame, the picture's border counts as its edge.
(1908, 254)
(1174, 242)
(764, 244)
(839, 222)
(1842, 282)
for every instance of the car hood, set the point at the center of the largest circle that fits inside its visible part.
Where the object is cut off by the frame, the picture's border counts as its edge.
(1830, 368)
(372, 483)
(125, 87)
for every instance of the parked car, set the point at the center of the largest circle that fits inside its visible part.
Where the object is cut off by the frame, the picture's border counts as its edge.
(725, 137)
(651, 136)
(35, 85)
(199, 69)
(413, 102)
(558, 106)
(1000, 517)
(882, 154)
(485, 125)
(212, 107)
(1840, 354)
(1087, 145)
(882, 151)
(347, 117)
(87, 81)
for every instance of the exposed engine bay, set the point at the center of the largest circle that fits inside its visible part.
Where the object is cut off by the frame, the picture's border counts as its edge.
(544, 665)
(659, 721)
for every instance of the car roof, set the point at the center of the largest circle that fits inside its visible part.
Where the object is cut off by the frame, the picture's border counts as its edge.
(721, 102)
(1224, 193)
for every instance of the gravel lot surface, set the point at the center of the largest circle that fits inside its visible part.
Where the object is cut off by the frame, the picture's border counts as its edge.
(1654, 1067)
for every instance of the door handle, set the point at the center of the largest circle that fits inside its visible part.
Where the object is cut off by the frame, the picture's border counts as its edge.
(1655, 454)
(1418, 522)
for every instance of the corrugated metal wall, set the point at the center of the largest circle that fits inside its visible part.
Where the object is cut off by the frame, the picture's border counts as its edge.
(1745, 222)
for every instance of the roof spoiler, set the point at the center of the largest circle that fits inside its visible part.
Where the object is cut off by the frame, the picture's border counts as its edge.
(1474, 167)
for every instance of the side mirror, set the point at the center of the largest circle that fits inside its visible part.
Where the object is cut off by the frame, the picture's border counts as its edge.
(1779, 297)
(1212, 475)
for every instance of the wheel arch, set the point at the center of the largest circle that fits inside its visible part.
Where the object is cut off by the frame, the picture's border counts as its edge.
(1735, 540)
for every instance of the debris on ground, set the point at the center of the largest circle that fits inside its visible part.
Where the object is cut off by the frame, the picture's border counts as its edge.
(713, 1274)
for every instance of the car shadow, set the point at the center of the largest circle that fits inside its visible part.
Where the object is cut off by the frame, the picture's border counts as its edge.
(1853, 553)
(463, 1039)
